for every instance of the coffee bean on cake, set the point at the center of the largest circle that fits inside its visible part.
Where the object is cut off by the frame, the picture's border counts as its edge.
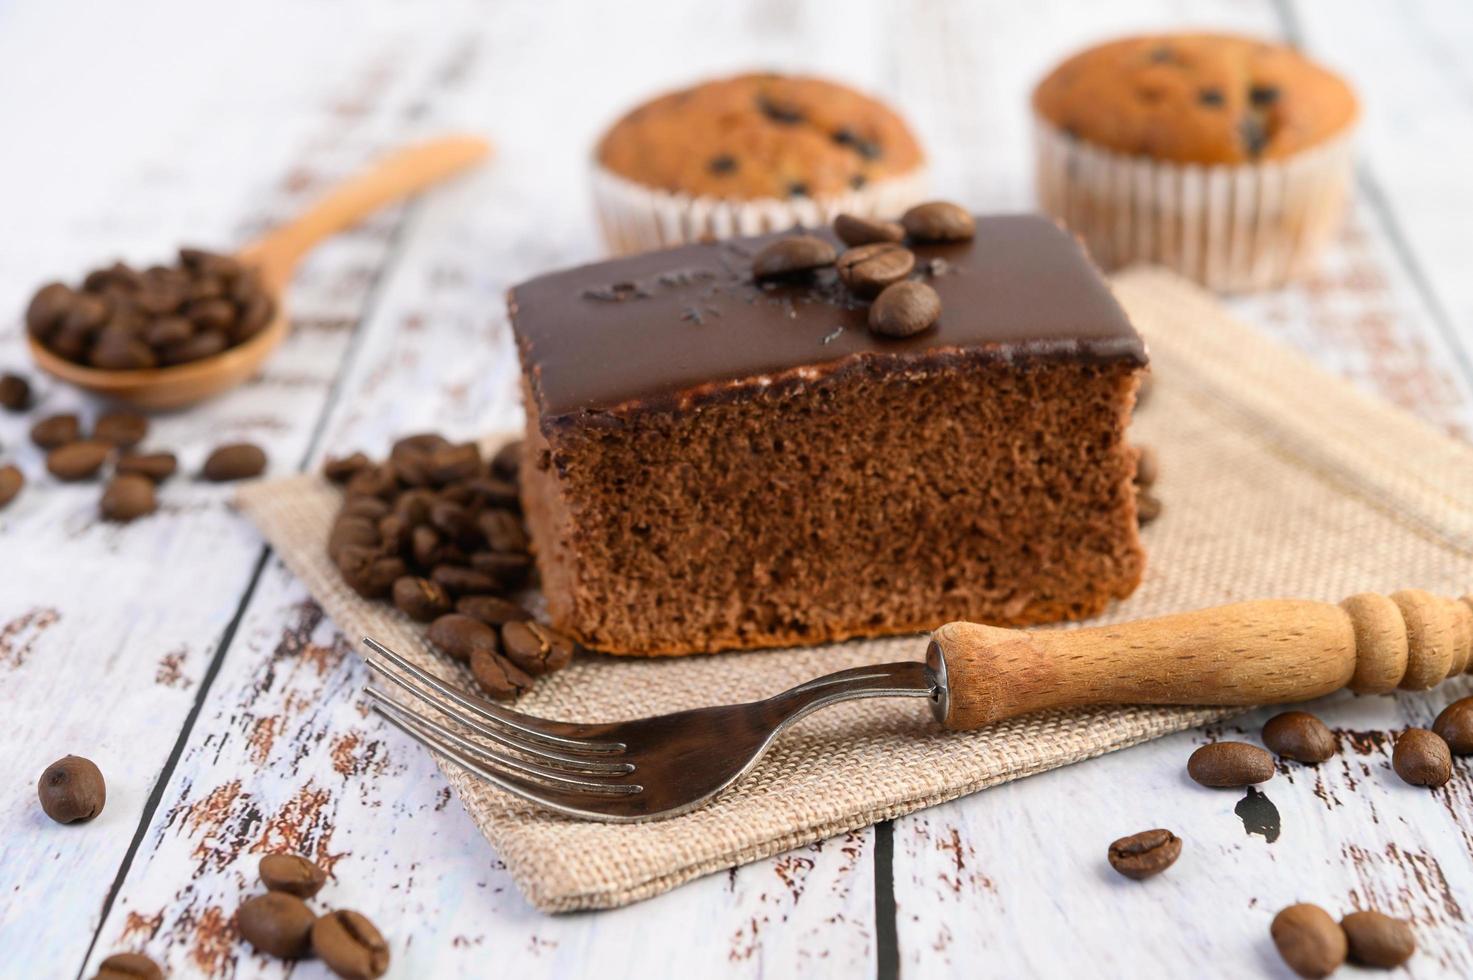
(12, 481)
(158, 467)
(77, 460)
(1454, 725)
(938, 221)
(278, 924)
(420, 599)
(867, 269)
(72, 790)
(1300, 736)
(854, 231)
(1422, 758)
(1146, 854)
(56, 430)
(350, 945)
(536, 648)
(122, 429)
(1377, 939)
(122, 318)
(15, 393)
(1230, 764)
(128, 966)
(128, 496)
(498, 676)
(1310, 942)
(293, 874)
(791, 255)
(904, 309)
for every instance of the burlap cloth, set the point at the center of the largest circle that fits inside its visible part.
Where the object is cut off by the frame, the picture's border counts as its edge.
(1278, 481)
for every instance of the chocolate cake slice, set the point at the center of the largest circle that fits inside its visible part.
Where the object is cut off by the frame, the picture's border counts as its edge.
(717, 463)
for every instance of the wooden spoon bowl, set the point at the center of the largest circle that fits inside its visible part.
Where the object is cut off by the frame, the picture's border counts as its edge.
(276, 256)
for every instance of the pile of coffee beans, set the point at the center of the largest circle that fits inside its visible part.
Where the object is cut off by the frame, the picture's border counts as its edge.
(280, 923)
(1313, 944)
(437, 530)
(876, 266)
(123, 319)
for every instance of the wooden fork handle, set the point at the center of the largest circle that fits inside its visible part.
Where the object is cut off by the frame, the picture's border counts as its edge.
(1249, 653)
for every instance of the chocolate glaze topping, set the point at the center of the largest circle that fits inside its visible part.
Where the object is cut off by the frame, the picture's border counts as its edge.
(688, 323)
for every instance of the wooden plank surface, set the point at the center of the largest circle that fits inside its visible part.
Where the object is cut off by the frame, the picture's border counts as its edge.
(223, 707)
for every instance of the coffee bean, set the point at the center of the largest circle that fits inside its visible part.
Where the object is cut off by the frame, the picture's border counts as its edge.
(1147, 467)
(938, 221)
(122, 429)
(368, 571)
(414, 506)
(1147, 507)
(502, 531)
(128, 497)
(342, 469)
(393, 533)
(277, 924)
(460, 581)
(158, 467)
(47, 308)
(168, 331)
(15, 393)
(451, 518)
(867, 269)
(458, 636)
(419, 444)
(207, 343)
(1300, 736)
(535, 648)
(904, 309)
(1377, 939)
(420, 599)
(115, 351)
(1311, 943)
(56, 430)
(1454, 725)
(211, 314)
(508, 568)
(77, 460)
(791, 255)
(459, 494)
(1230, 764)
(373, 481)
(1146, 854)
(12, 481)
(453, 463)
(1422, 758)
(855, 231)
(508, 460)
(498, 677)
(370, 507)
(425, 546)
(128, 966)
(490, 491)
(293, 874)
(72, 790)
(491, 610)
(350, 945)
(237, 461)
(352, 531)
(85, 314)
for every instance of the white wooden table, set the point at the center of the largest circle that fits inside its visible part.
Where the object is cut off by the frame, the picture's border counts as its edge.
(222, 706)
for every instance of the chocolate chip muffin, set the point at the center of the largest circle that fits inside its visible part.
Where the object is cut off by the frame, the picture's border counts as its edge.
(1226, 158)
(751, 154)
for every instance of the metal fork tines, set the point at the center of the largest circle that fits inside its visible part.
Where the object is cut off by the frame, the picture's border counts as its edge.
(635, 770)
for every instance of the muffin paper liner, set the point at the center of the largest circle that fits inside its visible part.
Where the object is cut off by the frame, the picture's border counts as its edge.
(636, 218)
(1232, 228)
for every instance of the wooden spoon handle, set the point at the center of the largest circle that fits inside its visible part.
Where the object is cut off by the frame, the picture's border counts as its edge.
(1250, 653)
(399, 175)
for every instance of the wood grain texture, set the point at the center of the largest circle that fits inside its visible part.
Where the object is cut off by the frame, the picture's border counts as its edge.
(113, 635)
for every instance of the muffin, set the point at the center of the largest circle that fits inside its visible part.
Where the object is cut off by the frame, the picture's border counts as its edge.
(751, 154)
(1225, 158)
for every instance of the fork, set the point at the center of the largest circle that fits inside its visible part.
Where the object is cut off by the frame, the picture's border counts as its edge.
(1263, 652)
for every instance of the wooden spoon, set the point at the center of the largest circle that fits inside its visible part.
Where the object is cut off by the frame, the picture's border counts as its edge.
(397, 176)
